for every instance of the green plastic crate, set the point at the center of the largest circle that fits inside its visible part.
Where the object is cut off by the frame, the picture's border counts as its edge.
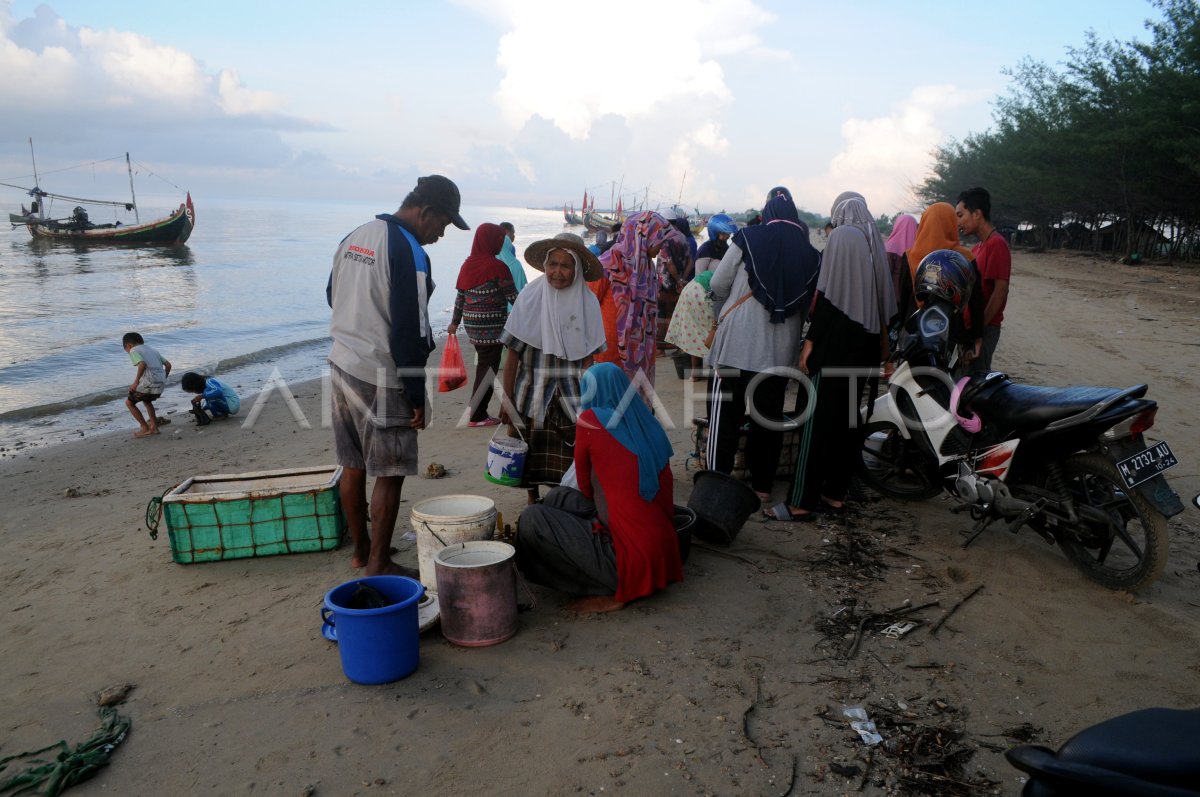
(235, 516)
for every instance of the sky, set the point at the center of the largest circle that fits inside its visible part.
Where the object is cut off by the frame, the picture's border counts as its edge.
(528, 103)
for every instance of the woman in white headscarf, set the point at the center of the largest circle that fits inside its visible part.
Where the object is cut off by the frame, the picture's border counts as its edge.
(855, 303)
(553, 332)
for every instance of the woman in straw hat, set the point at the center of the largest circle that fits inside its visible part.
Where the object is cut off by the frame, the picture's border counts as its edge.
(552, 334)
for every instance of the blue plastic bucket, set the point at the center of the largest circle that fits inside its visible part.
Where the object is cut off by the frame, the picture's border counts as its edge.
(377, 646)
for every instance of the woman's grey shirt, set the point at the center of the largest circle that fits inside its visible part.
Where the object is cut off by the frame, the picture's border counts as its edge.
(746, 339)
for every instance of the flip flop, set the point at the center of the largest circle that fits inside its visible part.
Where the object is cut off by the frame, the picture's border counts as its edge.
(781, 512)
(487, 422)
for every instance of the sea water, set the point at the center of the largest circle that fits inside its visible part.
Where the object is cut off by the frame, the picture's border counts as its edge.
(244, 300)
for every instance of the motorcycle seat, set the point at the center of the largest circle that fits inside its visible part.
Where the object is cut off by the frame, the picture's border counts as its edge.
(1148, 752)
(1021, 407)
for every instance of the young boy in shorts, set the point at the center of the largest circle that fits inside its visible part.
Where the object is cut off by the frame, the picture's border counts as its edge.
(213, 395)
(148, 385)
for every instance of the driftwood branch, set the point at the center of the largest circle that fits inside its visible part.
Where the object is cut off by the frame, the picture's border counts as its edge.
(953, 609)
(746, 723)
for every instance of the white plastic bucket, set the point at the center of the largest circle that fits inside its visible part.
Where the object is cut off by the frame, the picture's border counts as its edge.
(447, 520)
(506, 461)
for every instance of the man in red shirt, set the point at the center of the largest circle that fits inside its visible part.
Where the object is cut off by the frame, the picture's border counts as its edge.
(994, 261)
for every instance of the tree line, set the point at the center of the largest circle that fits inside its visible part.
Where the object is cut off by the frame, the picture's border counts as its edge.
(1100, 153)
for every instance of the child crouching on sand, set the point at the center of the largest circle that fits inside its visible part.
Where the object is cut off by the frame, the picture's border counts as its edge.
(211, 394)
(148, 385)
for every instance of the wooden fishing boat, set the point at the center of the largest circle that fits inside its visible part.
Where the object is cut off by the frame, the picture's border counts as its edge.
(595, 222)
(173, 229)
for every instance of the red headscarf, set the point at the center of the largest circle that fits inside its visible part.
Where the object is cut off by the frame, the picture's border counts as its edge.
(482, 264)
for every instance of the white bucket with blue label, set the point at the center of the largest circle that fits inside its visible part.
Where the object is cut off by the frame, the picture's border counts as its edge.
(506, 461)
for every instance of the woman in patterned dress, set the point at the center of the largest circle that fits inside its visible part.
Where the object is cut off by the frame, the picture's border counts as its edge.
(628, 294)
(485, 289)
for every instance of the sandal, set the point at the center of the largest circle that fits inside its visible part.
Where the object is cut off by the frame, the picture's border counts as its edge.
(782, 511)
(489, 421)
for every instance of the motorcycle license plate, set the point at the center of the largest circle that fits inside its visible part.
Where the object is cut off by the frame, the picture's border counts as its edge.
(1146, 464)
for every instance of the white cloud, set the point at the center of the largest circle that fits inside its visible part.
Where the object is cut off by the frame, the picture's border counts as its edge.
(636, 94)
(55, 71)
(237, 100)
(686, 160)
(131, 64)
(572, 65)
(883, 157)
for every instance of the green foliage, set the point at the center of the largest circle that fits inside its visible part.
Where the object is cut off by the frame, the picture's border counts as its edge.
(815, 221)
(1111, 136)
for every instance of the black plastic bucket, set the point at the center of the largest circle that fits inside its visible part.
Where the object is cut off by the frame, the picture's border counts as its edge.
(722, 505)
(683, 364)
(685, 521)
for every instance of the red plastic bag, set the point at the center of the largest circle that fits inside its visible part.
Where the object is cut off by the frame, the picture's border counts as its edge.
(453, 371)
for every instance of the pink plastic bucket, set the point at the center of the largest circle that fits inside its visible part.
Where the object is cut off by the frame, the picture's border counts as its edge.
(477, 592)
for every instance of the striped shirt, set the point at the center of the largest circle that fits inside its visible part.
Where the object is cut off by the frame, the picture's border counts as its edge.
(541, 378)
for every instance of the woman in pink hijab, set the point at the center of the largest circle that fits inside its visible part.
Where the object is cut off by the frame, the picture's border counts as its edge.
(904, 232)
(628, 294)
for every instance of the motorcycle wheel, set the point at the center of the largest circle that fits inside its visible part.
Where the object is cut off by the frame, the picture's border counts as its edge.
(894, 466)
(1121, 540)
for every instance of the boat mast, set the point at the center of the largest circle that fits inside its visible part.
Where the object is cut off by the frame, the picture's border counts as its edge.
(137, 217)
(37, 184)
(33, 157)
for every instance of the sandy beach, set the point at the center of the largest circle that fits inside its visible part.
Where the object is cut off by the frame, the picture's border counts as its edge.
(730, 683)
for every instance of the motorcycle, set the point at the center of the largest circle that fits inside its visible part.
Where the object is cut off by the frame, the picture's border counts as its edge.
(1146, 753)
(1072, 464)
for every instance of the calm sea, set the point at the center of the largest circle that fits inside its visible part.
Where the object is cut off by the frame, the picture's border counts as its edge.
(244, 296)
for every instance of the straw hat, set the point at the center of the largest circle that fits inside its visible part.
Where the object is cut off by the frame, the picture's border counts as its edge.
(535, 254)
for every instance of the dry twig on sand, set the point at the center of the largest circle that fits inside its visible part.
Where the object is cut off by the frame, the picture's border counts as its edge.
(953, 609)
(746, 724)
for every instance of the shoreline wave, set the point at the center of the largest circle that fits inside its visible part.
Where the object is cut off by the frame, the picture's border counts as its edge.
(113, 393)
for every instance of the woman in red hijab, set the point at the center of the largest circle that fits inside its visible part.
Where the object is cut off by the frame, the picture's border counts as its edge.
(485, 290)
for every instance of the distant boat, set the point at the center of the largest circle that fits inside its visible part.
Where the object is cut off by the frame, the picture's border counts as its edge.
(78, 227)
(571, 217)
(596, 221)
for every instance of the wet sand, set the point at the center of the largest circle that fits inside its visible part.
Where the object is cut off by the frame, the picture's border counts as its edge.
(729, 683)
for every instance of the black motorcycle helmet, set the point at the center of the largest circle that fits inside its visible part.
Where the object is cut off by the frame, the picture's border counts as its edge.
(943, 274)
